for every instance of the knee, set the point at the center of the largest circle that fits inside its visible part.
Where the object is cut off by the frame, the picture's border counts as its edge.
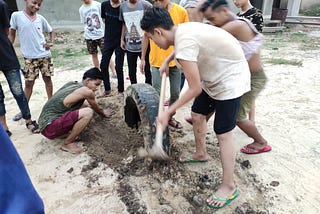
(88, 112)
(197, 117)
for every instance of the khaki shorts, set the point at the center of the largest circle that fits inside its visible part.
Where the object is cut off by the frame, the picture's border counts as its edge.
(32, 67)
(258, 81)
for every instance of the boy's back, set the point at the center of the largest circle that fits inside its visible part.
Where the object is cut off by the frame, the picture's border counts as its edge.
(222, 65)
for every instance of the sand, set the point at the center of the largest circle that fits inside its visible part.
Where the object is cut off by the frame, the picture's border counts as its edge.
(109, 177)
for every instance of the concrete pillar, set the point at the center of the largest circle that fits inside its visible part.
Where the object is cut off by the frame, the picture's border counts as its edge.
(293, 7)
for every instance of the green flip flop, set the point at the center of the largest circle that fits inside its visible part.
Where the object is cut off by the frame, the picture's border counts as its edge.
(189, 159)
(227, 200)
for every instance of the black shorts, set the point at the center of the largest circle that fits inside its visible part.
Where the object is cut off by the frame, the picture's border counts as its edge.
(225, 111)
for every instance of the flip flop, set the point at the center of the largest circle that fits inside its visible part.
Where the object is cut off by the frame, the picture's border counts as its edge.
(63, 148)
(189, 120)
(248, 149)
(227, 200)
(189, 159)
(17, 117)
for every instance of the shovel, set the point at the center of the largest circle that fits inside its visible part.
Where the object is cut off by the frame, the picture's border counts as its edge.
(157, 152)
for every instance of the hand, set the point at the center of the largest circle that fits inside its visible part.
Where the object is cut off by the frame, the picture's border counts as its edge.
(108, 112)
(142, 65)
(164, 68)
(123, 44)
(48, 45)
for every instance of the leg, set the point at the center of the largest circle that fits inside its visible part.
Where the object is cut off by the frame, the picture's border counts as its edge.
(199, 130)
(119, 68)
(147, 71)
(224, 123)
(113, 68)
(132, 66)
(84, 117)
(252, 112)
(175, 80)
(249, 127)
(48, 84)
(95, 60)
(106, 56)
(228, 157)
(28, 88)
(156, 79)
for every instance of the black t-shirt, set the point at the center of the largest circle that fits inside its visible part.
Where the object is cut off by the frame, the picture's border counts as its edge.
(113, 26)
(8, 57)
(255, 16)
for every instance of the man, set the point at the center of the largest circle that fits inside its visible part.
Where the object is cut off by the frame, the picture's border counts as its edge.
(10, 67)
(157, 55)
(66, 114)
(217, 74)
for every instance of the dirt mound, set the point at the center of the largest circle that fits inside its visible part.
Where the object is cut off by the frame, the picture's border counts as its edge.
(161, 186)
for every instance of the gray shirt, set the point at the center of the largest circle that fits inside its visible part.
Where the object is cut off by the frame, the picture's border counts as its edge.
(132, 18)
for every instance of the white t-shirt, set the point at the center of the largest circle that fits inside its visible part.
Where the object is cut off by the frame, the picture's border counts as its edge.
(31, 35)
(90, 15)
(224, 71)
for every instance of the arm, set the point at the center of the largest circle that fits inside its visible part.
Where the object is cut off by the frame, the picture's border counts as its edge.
(192, 75)
(165, 65)
(145, 43)
(12, 35)
(122, 39)
(49, 44)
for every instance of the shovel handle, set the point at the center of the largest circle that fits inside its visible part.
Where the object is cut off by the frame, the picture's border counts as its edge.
(159, 130)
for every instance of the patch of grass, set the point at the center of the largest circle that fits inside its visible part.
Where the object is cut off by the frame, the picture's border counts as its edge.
(280, 61)
(314, 11)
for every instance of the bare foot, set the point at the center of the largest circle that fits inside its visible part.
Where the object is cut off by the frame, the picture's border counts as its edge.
(71, 147)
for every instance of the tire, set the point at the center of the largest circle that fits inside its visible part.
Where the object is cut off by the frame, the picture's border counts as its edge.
(140, 111)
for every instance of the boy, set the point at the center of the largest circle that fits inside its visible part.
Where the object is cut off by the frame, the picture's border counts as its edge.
(10, 67)
(110, 11)
(131, 13)
(219, 14)
(65, 113)
(36, 51)
(157, 55)
(217, 74)
(90, 15)
(251, 13)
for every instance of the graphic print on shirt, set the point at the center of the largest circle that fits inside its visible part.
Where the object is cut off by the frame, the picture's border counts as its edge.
(135, 33)
(92, 20)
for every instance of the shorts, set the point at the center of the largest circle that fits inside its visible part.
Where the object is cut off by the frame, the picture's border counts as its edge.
(92, 45)
(258, 82)
(61, 126)
(32, 67)
(225, 111)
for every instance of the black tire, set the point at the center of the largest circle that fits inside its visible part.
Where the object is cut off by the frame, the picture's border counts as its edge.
(140, 111)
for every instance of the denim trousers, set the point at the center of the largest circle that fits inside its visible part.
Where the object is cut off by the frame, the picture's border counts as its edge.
(174, 79)
(14, 81)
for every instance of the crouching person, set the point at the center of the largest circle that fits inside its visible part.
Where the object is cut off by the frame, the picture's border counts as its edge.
(67, 114)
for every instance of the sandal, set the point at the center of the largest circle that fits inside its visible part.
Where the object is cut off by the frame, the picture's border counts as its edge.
(17, 117)
(175, 124)
(34, 127)
(9, 133)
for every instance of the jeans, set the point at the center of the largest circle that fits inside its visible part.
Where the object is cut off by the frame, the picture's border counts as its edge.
(132, 66)
(174, 79)
(14, 80)
(104, 65)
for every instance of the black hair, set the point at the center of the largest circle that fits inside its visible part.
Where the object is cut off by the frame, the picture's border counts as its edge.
(214, 4)
(156, 16)
(92, 73)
